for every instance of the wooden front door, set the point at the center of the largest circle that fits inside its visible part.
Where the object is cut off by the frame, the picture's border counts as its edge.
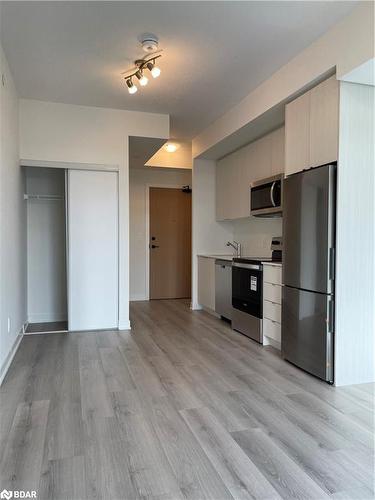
(170, 243)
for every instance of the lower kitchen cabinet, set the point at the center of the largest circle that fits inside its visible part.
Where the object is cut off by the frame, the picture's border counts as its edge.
(206, 282)
(272, 305)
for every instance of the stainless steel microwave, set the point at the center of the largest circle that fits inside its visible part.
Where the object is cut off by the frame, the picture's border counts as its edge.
(266, 197)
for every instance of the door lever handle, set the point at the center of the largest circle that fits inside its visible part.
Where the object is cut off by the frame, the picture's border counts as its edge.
(154, 246)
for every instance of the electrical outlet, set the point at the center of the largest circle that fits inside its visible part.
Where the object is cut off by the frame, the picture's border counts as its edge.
(9, 325)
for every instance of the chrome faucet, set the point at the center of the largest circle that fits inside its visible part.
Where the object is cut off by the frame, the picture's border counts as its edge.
(236, 246)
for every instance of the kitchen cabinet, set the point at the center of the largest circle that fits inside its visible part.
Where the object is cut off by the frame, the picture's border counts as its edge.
(232, 200)
(278, 151)
(206, 282)
(223, 288)
(324, 115)
(297, 134)
(272, 283)
(235, 172)
(311, 128)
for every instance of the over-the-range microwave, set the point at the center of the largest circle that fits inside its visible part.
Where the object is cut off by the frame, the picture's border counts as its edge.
(266, 197)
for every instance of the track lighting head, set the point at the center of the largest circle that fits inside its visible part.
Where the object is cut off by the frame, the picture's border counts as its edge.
(155, 71)
(143, 80)
(132, 89)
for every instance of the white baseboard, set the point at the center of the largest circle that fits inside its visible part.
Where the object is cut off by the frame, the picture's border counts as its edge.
(125, 325)
(8, 360)
(194, 306)
(47, 317)
(138, 298)
(272, 342)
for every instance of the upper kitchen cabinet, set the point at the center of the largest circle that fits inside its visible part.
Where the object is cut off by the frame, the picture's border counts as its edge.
(311, 128)
(278, 151)
(232, 200)
(297, 134)
(235, 172)
(324, 126)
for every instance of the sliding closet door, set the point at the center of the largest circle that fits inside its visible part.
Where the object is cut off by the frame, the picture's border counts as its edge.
(92, 250)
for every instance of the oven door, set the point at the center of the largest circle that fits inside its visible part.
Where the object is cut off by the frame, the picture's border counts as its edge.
(247, 288)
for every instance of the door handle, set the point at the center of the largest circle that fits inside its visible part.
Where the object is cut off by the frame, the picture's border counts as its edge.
(154, 246)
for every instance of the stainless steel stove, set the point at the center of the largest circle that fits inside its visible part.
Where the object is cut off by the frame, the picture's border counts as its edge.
(247, 292)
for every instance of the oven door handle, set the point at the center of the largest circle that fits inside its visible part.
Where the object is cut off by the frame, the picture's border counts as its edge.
(247, 266)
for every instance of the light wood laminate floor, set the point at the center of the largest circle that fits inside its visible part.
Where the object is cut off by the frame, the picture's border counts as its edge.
(180, 407)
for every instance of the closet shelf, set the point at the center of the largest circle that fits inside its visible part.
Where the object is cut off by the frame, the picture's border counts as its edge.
(50, 197)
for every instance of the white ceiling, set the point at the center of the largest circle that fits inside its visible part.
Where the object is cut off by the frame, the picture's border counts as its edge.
(214, 53)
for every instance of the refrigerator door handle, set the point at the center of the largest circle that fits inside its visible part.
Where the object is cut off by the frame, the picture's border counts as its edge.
(331, 315)
(332, 263)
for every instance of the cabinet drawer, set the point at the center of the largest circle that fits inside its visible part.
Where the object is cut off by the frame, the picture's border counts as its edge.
(272, 274)
(272, 292)
(272, 329)
(272, 311)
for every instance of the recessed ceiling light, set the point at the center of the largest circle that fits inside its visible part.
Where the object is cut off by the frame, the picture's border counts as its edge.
(170, 147)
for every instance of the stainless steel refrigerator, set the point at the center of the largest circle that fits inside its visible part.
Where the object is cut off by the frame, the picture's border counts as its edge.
(309, 270)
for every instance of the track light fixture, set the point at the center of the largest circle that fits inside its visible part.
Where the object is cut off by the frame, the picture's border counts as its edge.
(148, 63)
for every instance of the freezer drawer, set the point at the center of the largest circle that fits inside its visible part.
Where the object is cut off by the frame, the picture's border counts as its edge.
(307, 333)
(223, 288)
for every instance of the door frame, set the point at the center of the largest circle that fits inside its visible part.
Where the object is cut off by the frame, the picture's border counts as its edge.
(147, 266)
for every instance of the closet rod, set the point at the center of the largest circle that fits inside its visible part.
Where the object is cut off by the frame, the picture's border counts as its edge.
(53, 197)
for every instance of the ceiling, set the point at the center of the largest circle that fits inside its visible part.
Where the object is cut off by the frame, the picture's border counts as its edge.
(214, 53)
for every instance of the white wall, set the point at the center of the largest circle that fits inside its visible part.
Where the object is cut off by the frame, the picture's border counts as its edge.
(46, 247)
(82, 134)
(346, 45)
(13, 223)
(355, 279)
(208, 236)
(139, 181)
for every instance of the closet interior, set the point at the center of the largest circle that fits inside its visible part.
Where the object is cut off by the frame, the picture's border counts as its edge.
(72, 249)
(45, 197)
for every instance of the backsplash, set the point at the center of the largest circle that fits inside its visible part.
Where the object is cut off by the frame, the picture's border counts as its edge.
(255, 235)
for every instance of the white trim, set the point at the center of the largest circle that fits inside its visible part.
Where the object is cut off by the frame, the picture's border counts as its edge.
(194, 306)
(125, 325)
(274, 343)
(47, 317)
(68, 165)
(8, 360)
(138, 297)
(147, 264)
(47, 332)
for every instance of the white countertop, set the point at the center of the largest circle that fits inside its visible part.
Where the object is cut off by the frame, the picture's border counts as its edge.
(231, 257)
(217, 256)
